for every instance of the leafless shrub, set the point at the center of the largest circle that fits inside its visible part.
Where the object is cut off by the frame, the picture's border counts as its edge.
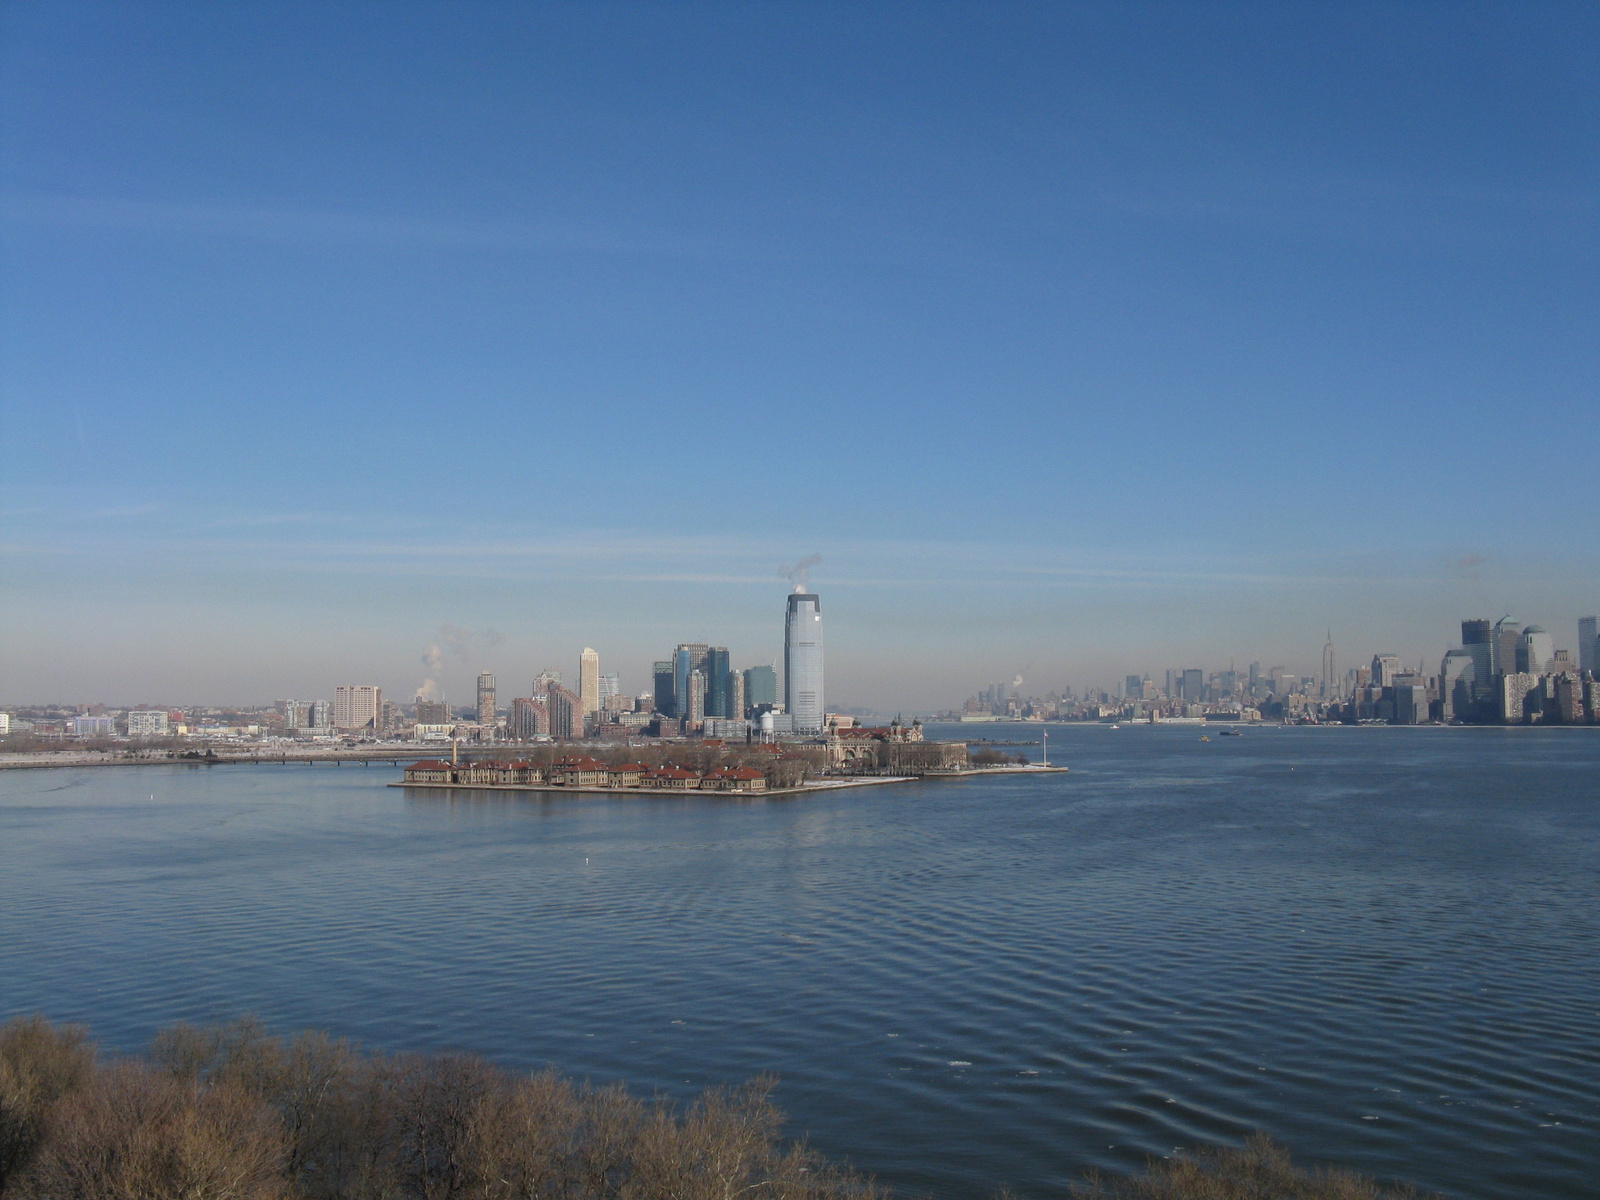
(137, 1132)
(39, 1064)
(1259, 1170)
(231, 1113)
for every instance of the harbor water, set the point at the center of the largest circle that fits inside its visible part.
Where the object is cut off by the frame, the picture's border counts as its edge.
(1382, 946)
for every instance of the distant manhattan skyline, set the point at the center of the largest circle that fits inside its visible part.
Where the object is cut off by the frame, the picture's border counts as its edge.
(189, 619)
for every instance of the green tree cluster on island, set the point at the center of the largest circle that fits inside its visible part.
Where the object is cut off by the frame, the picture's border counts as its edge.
(230, 1113)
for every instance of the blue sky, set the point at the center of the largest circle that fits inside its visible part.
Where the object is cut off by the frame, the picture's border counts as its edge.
(1078, 339)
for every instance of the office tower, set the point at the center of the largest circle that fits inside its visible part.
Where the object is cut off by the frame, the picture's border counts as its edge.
(528, 719)
(1330, 689)
(802, 662)
(1410, 704)
(1477, 639)
(1134, 687)
(1535, 650)
(1457, 676)
(589, 680)
(665, 695)
(432, 712)
(1384, 668)
(357, 706)
(760, 688)
(610, 686)
(487, 711)
(737, 708)
(1193, 684)
(565, 709)
(689, 658)
(1589, 644)
(719, 701)
(695, 714)
(1506, 635)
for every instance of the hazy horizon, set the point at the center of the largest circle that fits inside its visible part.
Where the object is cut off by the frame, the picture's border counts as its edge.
(1078, 340)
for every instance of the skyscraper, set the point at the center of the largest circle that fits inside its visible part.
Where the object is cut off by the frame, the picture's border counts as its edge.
(528, 719)
(589, 680)
(719, 700)
(1384, 668)
(665, 690)
(610, 685)
(1589, 643)
(1330, 689)
(737, 708)
(694, 716)
(760, 687)
(565, 710)
(486, 701)
(1507, 633)
(357, 706)
(689, 658)
(802, 662)
(1477, 639)
(1535, 650)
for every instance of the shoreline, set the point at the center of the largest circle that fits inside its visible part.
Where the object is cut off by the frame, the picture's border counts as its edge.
(819, 785)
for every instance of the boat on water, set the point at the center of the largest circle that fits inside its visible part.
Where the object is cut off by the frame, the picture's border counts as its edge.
(1229, 733)
(1116, 727)
(1205, 737)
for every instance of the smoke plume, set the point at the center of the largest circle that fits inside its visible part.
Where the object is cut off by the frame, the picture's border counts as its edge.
(800, 574)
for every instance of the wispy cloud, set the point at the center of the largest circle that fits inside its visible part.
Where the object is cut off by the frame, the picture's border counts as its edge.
(311, 226)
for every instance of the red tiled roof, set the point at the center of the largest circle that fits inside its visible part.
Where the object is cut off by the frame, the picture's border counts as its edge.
(429, 764)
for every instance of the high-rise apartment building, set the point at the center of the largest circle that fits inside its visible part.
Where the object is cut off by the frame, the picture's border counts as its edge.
(147, 723)
(432, 712)
(357, 706)
(695, 714)
(488, 713)
(589, 680)
(737, 709)
(760, 688)
(802, 662)
(528, 719)
(1589, 644)
(565, 709)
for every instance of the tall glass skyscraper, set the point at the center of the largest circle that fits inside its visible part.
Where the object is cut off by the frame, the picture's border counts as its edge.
(686, 660)
(802, 662)
(719, 696)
